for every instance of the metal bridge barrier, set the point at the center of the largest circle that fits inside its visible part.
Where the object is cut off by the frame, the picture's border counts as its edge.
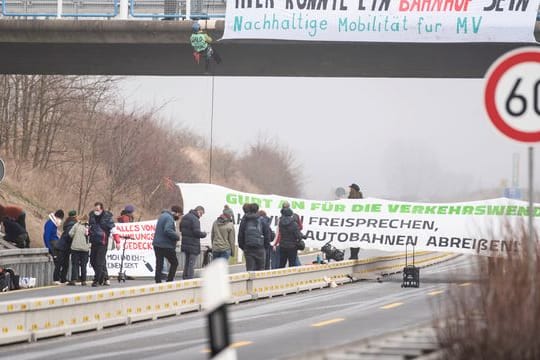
(63, 8)
(32, 319)
(33, 262)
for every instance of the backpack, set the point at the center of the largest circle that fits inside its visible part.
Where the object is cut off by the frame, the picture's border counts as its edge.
(254, 234)
(8, 280)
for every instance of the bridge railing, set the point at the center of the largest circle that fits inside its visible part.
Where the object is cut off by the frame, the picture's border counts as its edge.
(121, 9)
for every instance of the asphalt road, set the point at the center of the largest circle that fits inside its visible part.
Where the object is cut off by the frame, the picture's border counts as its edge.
(63, 289)
(271, 328)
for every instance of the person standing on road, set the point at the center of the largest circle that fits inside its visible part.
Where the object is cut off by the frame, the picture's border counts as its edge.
(190, 227)
(63, 248)
(290, 236)
(354, 193)
(101, 225)
(79, 250)
(223, 235)
(164, 243)
(268, 248)
(253, 237)
(50, 231)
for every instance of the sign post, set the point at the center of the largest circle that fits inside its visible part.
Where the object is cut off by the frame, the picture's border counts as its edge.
(512, 101)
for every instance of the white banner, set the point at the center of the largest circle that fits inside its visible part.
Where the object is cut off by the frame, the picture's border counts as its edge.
(478, 227)
(382, 20)
(139, 257)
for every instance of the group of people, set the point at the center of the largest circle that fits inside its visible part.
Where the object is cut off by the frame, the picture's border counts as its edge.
(82, 238)
(262, 248)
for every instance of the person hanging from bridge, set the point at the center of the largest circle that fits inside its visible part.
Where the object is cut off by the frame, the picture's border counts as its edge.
(200, 41)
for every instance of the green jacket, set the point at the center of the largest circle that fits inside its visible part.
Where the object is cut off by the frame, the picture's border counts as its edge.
(79, 233)
(223, 235)
(200, 41)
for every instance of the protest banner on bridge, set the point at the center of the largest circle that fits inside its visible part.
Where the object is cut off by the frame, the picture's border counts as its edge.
(486, 227)
(139, 259)
(382, 20)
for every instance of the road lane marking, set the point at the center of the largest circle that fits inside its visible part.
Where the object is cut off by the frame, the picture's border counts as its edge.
(327, 322)
(433, 293)
(234, 345)
(239, 344)
(465, 284)
(391, 306)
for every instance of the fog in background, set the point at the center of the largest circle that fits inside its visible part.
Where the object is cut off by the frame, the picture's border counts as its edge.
(403, 139)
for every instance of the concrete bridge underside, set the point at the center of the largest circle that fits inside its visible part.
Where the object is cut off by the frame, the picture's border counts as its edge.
(162, 48)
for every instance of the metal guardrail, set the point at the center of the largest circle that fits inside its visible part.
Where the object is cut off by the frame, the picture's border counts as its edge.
(32, 319)
(61, 8)
(31, 262)
(177, 9)
(122, 9)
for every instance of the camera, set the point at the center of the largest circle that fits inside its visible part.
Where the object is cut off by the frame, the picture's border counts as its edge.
(332, 253)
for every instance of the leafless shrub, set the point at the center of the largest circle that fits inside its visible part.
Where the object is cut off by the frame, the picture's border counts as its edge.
(272, 167)
(499, 318)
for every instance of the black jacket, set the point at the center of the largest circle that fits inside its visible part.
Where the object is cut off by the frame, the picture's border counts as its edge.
(100, 227)
(267, 234)
(64, 243)
(12, 229)
(190, 227)
(289, 232)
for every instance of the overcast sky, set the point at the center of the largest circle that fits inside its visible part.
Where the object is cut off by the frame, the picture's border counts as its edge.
(396, 138)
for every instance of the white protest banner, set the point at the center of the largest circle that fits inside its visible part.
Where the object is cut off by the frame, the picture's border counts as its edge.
(382, 20)
(479, 227)
(139, 258)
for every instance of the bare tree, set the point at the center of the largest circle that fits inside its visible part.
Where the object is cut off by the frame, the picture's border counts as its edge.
(272, 168)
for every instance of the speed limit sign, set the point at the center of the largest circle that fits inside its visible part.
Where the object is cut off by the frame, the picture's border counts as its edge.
(512, 94)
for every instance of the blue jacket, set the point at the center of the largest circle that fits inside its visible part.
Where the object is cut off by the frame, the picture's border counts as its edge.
(50, 233)
(165, 235)
(190, 226)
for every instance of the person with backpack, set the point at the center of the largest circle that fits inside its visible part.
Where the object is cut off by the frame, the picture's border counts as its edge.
(80, 246)
(63, 249)
(190, 227)
(101, 225)
(223, 235)
(253, 237)
(290, 235)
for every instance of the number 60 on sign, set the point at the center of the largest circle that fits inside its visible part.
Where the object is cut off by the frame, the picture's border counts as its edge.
(512, 94)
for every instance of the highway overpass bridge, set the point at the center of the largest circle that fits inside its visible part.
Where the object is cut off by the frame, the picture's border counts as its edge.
(98, 47)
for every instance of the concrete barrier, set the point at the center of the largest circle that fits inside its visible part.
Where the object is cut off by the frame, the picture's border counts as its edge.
(33, 319)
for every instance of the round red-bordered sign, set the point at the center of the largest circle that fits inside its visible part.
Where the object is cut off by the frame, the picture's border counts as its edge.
(501, 67)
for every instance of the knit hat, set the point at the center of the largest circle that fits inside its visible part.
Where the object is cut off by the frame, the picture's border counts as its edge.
(129, 209)
(227, 211)
(286, 212)
(72, 213)
(355, 187)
